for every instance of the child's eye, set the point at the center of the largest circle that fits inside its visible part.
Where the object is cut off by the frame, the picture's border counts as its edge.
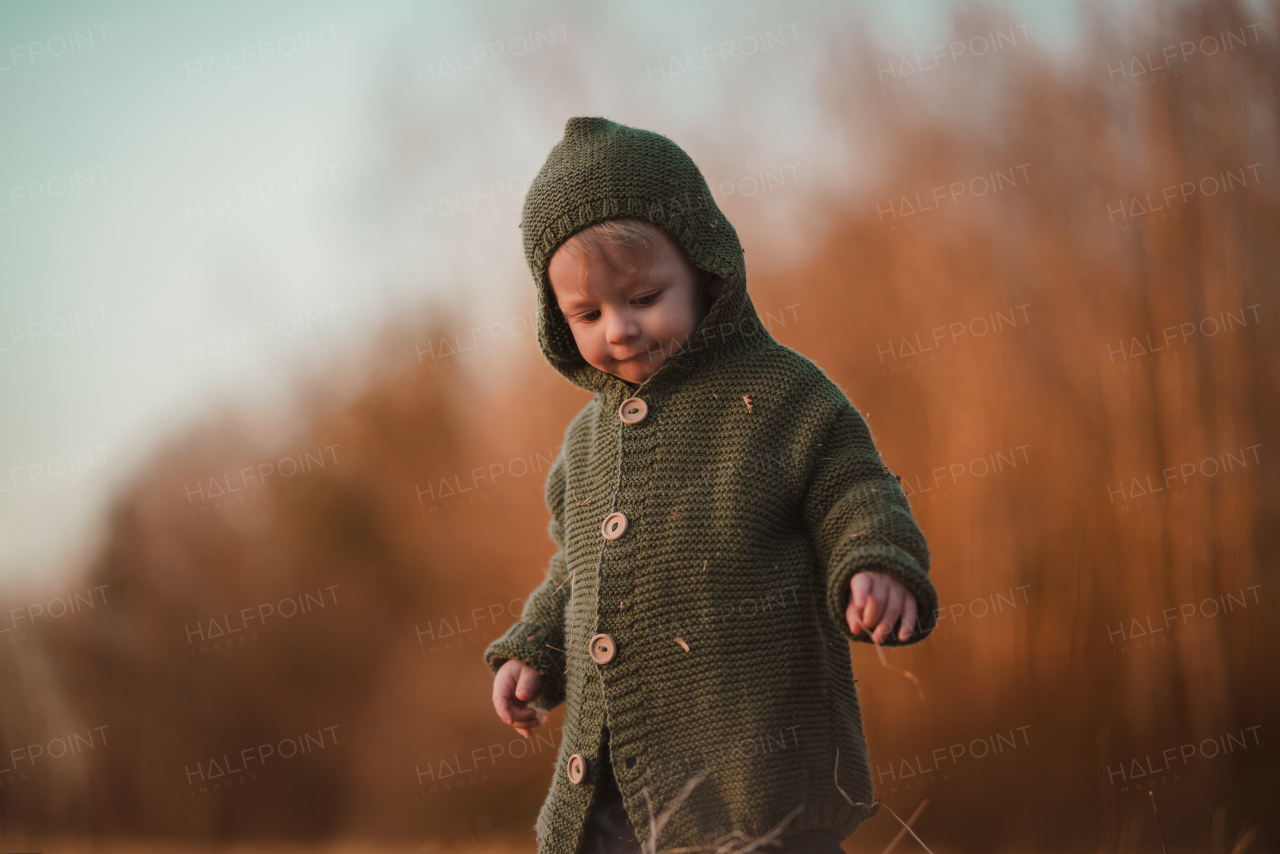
(648, 299)
(587, 318)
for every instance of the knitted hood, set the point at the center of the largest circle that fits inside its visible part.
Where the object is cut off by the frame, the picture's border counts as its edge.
(604, 170)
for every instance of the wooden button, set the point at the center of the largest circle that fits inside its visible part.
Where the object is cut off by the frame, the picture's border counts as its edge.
(633, 410)
(602, 649)
(615, 525)
(577, 768)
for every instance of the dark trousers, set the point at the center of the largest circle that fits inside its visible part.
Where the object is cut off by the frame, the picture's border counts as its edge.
(609, 829)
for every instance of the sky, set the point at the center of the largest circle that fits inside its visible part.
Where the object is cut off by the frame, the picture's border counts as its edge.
(198, 203)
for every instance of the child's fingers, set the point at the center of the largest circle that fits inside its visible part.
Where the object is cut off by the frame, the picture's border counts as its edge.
(877, 598)
(908, 618)
(858, 590)
(503, 684)
(521, 714)
(530, 684)
(857, 596)
(510, 680)
(514, 712)
(893, 610)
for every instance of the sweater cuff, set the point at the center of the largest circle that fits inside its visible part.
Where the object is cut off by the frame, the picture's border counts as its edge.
(539, 647)
(897, 564)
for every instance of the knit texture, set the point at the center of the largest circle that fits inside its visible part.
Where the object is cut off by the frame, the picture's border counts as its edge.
(753, 492)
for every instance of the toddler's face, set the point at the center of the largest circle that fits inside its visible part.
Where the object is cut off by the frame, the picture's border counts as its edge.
(629, 324)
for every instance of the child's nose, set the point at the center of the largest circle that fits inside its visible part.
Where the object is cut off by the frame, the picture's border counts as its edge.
(621, 328)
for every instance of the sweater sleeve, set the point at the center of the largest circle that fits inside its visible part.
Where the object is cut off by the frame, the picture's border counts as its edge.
(537, 638)
(859, 519)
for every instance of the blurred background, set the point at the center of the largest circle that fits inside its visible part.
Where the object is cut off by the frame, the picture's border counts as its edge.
(276, 424)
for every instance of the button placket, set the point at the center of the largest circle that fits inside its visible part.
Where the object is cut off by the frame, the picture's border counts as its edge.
(602, 647)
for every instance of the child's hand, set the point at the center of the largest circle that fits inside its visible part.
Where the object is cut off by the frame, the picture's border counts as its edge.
(514, 685)
(877, 600)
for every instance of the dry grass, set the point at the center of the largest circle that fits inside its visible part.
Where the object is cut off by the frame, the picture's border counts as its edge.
(187, 846)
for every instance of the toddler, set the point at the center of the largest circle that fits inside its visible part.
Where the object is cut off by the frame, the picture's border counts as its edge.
(724, 526)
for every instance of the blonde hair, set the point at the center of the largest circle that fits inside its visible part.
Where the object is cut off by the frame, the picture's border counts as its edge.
(619, 241)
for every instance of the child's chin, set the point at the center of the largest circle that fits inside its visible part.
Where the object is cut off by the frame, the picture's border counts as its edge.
(634, 370)
(638, 376)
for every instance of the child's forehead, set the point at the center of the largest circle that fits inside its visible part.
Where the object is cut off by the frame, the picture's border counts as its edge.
(575, 282)
(575, 261)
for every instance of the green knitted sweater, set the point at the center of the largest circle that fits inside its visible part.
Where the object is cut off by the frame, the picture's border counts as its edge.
(752, 493)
